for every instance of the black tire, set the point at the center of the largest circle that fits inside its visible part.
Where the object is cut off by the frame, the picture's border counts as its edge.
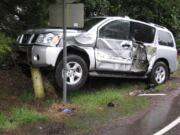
(156, 76)
(72, 59)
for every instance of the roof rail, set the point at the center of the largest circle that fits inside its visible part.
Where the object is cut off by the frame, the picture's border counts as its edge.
(157, 25)
(127, 17)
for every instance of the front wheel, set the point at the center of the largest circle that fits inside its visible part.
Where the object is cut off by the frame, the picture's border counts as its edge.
(76, 74)
(159, 73)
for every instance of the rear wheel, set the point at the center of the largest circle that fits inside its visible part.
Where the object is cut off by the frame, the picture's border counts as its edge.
(159, 73)
(77, 72)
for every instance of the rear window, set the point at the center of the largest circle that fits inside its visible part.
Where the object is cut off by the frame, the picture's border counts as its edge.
(165, 38)
(141, 32)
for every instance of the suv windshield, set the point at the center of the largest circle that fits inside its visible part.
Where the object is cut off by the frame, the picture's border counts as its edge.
(89, 23)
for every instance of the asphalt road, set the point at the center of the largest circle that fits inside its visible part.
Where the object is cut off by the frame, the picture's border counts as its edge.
(174, 131)
(164, 111)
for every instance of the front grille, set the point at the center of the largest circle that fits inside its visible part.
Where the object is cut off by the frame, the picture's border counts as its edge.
(28, 38)
(34, 38)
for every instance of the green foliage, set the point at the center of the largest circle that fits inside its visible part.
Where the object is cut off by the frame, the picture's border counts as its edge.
(162, 12)
(18, 15)
(27, 96)
(19, 116)
(26, 115)
(5, 48)
(178, 43)
(5, 123)
(90, 101)
(96, 7)
(93, 110)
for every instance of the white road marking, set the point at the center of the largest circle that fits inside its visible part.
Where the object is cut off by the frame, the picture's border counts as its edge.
(155, 94)
(168, 127)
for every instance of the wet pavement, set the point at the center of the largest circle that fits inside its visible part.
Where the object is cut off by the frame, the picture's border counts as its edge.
(164, 110)
(174, 131)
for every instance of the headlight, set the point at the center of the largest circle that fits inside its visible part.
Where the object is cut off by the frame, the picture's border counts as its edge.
(48, 39)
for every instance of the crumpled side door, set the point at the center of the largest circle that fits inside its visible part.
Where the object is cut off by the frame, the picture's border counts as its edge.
(113, 49)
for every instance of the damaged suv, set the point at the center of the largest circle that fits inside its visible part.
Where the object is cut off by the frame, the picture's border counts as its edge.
(105, 47)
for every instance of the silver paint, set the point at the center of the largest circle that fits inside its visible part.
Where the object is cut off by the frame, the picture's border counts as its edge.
(107, 54)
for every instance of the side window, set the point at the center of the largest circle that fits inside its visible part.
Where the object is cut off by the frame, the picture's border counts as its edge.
(164, 38)
(141, 32)
(115, 30)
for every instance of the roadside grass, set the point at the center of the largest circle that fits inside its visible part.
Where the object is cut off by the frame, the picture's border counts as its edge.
(27, 95)
(19, 116)
(93, 110)
(5, 123)
(170, 84)
(91, 102)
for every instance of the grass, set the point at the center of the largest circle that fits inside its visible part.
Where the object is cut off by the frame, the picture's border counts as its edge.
(170, 84)
(91, 102)
(5, 123)
(92, 105)
(19, 116)
(93, 111)
(27, 95)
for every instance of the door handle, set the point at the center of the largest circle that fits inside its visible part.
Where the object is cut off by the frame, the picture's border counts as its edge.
(126, 46)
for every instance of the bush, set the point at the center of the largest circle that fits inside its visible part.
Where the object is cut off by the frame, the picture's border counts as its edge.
(178, 43)
(5, 48)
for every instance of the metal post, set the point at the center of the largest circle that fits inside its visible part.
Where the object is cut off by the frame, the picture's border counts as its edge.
(64, 53)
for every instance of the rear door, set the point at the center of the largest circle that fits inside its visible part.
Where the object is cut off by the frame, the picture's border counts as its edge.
(114, 49)
(144, 48)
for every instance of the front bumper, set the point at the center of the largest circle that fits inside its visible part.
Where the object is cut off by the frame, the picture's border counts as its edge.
(38, 56)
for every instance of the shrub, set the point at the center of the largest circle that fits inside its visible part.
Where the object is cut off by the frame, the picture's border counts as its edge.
(178, 43)
(5, 48)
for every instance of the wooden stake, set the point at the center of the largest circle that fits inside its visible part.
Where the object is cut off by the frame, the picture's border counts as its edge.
(37, 83)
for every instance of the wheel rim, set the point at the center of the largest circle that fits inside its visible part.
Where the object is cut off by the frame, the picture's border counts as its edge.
(74, 73)
(160, 74)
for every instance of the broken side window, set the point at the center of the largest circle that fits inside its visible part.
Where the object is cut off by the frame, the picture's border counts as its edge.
(117, 29)
(164, 38)
(141, 32)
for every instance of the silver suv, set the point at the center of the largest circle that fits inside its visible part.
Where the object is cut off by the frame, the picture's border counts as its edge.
(105, 47)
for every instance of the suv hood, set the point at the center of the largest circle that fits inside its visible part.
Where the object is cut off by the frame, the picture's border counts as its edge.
(69, 32)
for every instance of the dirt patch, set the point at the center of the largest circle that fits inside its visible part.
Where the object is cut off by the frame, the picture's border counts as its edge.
(13, 81)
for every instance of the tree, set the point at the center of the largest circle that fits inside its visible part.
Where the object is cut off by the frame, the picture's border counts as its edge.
(18, 15)
(162, 12)
(96, 7)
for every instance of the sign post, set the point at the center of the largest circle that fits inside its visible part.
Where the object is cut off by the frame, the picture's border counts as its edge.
(66, 13)
(64, 54)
